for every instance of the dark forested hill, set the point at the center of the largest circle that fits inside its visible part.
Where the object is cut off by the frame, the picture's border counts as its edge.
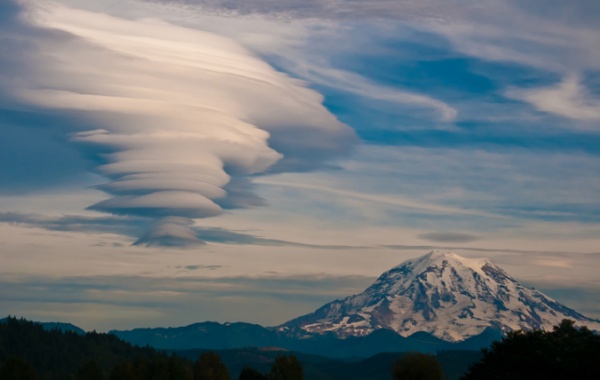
(30, 350)
(377, 367)
(217, 336)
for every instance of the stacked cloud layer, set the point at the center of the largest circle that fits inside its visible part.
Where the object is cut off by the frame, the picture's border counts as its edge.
(182, 118)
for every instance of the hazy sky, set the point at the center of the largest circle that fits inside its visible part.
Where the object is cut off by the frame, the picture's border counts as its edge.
(169, 162)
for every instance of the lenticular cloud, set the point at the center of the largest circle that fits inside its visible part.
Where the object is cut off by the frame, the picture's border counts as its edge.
(183, 116)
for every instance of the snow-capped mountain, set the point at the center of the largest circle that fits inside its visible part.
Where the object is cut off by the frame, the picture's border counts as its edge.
(441, 293)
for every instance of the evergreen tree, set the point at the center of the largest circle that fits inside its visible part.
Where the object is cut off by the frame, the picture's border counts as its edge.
(90, 371)
(55, 354)
(567, 352)
(124, 371)
(286, 368)
(251, 374)
(417, 366)
(17, 369)
(179, 369)
(210, 367)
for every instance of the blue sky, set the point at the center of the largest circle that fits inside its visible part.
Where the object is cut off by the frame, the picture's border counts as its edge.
(168, 162)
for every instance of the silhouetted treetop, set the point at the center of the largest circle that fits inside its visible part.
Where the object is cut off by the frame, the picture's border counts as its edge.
(417, 366)
(286, 368)
(566, 352)
(210, 367)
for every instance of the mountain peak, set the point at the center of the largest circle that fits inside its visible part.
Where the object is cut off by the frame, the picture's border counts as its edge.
(444, 294)
(438, 255)
(433, 266)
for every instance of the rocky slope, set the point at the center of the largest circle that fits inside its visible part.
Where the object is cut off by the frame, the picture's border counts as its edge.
(443, 294)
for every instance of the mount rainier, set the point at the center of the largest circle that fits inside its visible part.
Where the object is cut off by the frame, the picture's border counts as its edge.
(443, 294)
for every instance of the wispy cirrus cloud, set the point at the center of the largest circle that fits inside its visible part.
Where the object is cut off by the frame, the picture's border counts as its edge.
(349, 82)
(568, 98)
(449, 237)
(77, 223)
(166, 232)
(182, 298)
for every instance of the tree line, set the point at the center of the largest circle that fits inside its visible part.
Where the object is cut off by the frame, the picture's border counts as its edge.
(567, 352)
(29, 352)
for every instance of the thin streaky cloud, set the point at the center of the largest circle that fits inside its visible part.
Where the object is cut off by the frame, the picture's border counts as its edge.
(350, 82)
(398, 201)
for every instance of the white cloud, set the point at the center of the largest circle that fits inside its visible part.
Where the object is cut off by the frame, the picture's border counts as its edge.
(304, 36)
(171, 231)
(559, 38)
(350, 82)
(530, 33)
(568, 99)
(182, 112)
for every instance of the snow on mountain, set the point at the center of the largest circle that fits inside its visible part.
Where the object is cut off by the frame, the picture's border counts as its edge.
(444, 294)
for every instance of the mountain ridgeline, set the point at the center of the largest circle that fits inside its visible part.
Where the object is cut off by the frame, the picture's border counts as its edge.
(36, 351)
(443, 294)
(216, 336)
(440, 301)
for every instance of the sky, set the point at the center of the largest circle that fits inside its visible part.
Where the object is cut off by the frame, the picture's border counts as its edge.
(170, 162)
